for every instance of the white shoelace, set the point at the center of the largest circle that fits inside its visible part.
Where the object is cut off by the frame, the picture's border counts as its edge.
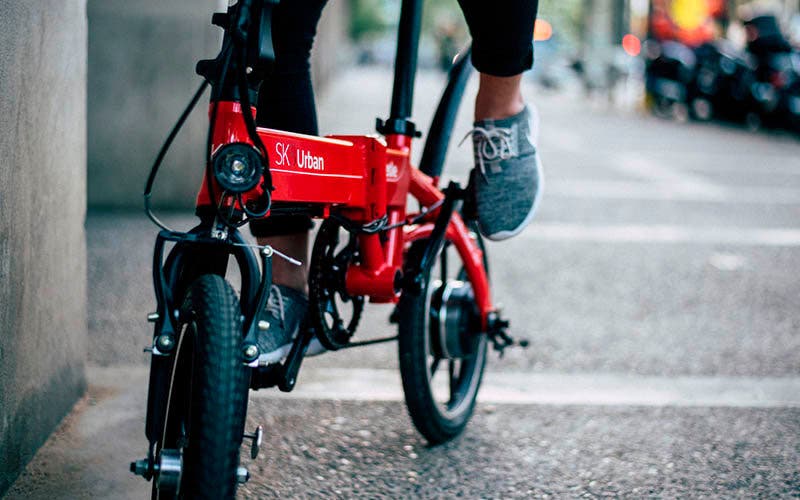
(275, 303)
(496, 143)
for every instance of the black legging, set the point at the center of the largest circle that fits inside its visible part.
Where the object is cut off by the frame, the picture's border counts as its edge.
(502, 34)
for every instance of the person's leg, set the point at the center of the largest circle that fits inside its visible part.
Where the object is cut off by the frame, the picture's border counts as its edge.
(286, 102)
(508, 177)
(498, 97)
(502, 49)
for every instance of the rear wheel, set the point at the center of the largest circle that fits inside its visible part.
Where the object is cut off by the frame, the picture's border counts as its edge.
(442, 349)
(198, 453)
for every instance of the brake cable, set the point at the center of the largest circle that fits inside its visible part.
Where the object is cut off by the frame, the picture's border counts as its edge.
(226, 54)
(381, 224)
(154, 169)
(148, 188)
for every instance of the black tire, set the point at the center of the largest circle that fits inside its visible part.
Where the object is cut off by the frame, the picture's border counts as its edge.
(437, 420)
(208, 395)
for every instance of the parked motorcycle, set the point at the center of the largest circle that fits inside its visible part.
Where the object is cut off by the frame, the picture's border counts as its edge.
(760, 86)
(724, 86)
(669, 76)
(777, 71)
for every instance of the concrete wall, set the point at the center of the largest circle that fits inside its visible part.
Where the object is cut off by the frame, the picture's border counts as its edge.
(42, 213)
(142, 55)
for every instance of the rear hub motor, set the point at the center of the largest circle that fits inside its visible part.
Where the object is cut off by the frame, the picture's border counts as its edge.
(455, 321)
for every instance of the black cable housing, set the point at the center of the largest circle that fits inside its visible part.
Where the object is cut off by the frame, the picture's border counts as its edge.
(239, 37)
(148, 187)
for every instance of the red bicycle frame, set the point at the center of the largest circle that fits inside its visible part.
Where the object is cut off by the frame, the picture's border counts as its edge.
(363, 178)
(363, 183)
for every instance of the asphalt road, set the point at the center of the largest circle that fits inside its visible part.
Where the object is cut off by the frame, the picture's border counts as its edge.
(665, 255)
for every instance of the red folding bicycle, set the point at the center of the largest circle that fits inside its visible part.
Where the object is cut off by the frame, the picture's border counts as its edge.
(430, 263)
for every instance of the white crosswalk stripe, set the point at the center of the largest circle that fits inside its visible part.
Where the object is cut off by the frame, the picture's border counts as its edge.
(656, 233)
(563, 389)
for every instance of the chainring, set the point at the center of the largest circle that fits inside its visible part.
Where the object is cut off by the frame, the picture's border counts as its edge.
(328, 297)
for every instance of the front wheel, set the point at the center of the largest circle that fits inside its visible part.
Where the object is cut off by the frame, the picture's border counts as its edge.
(442, 350)
(198, 452)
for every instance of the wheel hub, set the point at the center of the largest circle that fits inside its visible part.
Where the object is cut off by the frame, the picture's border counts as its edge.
(169, 468)
(455, 320)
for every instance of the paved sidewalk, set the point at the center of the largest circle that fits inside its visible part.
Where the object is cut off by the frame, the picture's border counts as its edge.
(336, 447)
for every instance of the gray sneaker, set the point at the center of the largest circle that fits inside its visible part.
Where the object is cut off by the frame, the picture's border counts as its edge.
(285, 311)
(509, 174)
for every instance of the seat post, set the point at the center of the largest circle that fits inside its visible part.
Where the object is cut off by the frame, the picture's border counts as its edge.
(404, 70)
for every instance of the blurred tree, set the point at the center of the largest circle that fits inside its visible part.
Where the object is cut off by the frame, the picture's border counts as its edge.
(373, 17)
(368, 18)
(566, 18)
(443, 18)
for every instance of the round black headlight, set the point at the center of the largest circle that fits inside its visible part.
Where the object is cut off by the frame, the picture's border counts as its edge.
(237, 167)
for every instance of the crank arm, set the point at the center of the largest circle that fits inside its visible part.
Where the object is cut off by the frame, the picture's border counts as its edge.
(291, 367)
(283, 375)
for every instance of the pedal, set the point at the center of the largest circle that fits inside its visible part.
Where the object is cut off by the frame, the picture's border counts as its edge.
(264, 377)
(256, 438)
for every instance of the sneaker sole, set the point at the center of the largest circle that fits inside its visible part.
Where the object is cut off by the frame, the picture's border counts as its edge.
(272, 357)
(315, 348)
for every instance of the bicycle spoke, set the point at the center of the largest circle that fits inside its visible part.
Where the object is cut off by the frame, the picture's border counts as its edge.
(434, 366)
(451, 370)
(330, 307)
